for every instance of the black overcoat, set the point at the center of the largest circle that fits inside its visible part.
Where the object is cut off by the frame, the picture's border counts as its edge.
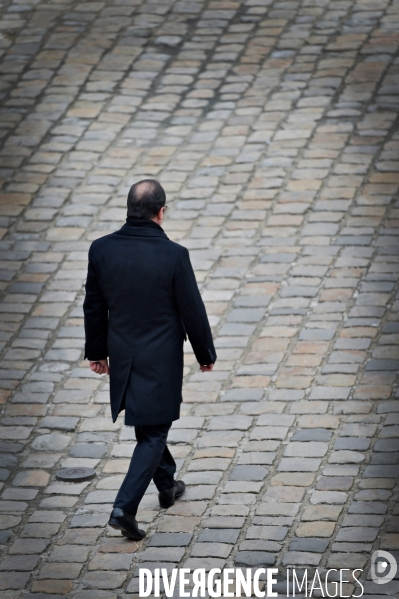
(141, 301)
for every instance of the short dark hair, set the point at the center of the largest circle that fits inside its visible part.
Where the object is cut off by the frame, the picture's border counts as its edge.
(145, 199)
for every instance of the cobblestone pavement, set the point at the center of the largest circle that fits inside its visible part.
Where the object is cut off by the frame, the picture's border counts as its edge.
(271, 124)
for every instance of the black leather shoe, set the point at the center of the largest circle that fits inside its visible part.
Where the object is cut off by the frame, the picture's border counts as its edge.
(167, 498)
(126, 523)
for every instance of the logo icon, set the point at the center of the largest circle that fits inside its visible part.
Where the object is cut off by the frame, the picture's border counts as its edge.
(383, 567)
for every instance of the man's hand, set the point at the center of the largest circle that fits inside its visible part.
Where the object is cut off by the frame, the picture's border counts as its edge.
(100, 366)
(204, 368)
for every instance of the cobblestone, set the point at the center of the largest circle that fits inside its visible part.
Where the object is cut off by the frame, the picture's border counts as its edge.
(273, 128)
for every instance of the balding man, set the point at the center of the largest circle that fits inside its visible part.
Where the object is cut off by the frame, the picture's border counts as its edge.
(142, 300)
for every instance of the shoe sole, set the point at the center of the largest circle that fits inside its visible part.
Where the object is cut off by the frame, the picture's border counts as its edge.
(127, 535)
(165, 506)
(114, 524)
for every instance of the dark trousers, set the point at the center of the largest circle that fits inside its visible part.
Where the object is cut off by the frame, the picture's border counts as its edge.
(151, 459)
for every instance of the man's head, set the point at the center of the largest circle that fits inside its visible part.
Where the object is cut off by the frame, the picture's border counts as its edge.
(146, 199)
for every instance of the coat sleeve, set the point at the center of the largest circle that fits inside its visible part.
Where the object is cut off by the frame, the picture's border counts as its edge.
(192, 310)
(95, 316)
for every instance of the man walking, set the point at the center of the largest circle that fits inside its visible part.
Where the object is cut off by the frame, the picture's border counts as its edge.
(141, 302)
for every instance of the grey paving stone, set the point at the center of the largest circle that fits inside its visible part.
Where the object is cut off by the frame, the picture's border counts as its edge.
(334, 483)
(237, 329)
(340, 470)
(354, 534)
(359, 444)
(26, 546)
(99, 520)
(243, 395)
(384, 458)
(257, 457)
(368, 520)
(314, 545)
(69, 553)
(94, 594)
(20, 563)
(269, 432)
(9, 447)
(299, 464)
(386, 445)
(93, 437)
(170, 554)
(253, 301)
(381, 471)
(220, 439)
(276, 419)
(97, 497)
(301, 558)
(313, 434)
(60, 423)
(383, 365)
(330, 393)
(351, 547)
(260, 545)
(309, 449)
(224, 522)
(242, 486)
(317, 334)
(5, 536)
(219, 536)
(298, 291)
(367, 507)
(221, 550)
(51, 442)
(206, 477)
(249, 473)
(273, 533)
(43, 596)
(39, 531)
(246, 315)
(254, 558)
(88, 450)
(357, 430)
(230, 423)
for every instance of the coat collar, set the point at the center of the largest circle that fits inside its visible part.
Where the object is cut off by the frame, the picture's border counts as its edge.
(142, 227)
